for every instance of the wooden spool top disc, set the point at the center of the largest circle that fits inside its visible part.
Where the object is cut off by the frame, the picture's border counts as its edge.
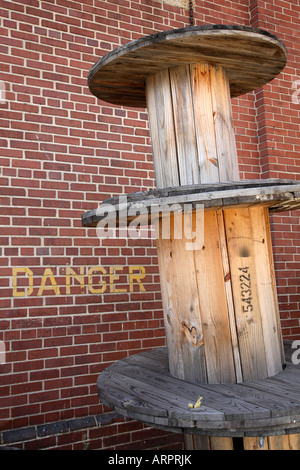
(252, 58)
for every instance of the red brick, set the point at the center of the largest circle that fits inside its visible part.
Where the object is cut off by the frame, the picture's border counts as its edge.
(64, 151)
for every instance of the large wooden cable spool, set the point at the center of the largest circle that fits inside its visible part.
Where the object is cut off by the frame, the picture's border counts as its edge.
(220, 305)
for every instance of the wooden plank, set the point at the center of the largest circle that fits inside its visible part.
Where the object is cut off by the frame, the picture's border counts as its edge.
(187, 152)
(196, 442)
(266, 289)
(229, 297)
(181, 306)
(213, 304)
(273, 283)
(161, 121)
(218, 401)
(226, 410)
(154, 389)
(223, 124)
(233, 189)
(294, 441)
(170, 305)
(221, 443)
(290, 375)
(118, 392)
(252, 58)
(204, 123)
(151, 364)
(278, 442)
(274, 386)
(244, 285)
(262, 396)
(203, 147)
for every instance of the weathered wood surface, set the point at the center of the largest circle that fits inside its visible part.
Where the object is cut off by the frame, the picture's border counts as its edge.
(280, 442)
(161, 123)
(219, 297)
(194, 301)
(191, 128)
(141, 387)
(254, 291)
(252, 58)
(182, 321)
(278, 195)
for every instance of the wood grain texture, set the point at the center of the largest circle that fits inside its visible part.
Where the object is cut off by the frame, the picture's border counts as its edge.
(221, 443)
(191, 126)
(204, 122)
(196, 318)
(187, 151)
(278, 195)
(254, 291)
(223, 124)
(245, 287)
(161, 121)
(266, 289)
(141, 387)
(255, 443)
(229, 296)
(180, 297)
(213, 305)
(252, 57)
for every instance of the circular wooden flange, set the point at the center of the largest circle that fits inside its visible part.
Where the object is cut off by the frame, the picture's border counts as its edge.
(140, 387)
(277, 194)
(252, 57)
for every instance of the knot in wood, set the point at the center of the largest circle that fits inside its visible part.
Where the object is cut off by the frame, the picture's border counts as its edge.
(192, 335)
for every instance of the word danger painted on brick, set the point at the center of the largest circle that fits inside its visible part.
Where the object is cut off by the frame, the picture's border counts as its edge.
(95, 280)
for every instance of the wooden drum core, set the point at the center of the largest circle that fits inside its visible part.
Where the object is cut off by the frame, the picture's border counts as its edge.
(191, 127)
(220, 305)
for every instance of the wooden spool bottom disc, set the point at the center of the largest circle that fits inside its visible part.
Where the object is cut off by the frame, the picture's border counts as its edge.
(264, 413)
(219, 296)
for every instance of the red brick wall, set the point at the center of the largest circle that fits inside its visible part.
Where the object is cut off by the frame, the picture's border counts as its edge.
(278, 122)
(62, 152)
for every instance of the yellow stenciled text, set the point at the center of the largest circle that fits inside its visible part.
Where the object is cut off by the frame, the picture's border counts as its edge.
(95, 280)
